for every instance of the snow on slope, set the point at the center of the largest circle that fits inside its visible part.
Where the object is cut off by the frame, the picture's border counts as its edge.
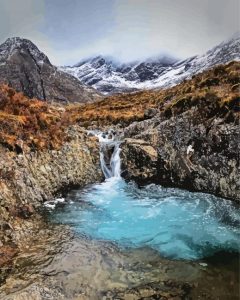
(25, 68)
(11, 45)
(109, 76)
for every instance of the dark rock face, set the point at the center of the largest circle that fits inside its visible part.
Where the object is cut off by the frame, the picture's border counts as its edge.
(150, 112)
(28, 70)
(193, 152)
(140, 160)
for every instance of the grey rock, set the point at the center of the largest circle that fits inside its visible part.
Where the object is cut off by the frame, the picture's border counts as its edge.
(25, 68)
(150, 112)
(213, 166)
(30, 179)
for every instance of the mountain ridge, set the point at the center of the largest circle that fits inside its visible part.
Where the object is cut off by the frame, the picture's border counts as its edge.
(11, 44)
(111, 78)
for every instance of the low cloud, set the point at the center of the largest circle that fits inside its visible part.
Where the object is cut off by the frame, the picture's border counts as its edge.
(125, 29)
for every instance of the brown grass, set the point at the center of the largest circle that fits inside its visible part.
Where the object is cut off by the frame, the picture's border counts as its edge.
(218, 86)
(35, 124)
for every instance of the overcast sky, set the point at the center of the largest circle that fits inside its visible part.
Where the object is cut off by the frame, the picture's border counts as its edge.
(69, 30)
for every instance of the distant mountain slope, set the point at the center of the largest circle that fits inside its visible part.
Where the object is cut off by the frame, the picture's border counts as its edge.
(25, 68)
(109, 76)
(219, 84)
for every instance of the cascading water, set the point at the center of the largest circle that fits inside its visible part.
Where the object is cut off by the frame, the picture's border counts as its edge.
(110, 155)
(179, 224)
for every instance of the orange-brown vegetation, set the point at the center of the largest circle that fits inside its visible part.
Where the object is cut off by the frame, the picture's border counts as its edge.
(32, 123)
(38, 125)
(6, 255)
(218, 86)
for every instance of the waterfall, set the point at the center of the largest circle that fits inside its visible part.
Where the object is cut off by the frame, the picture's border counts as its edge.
(115, 162)
(109, 154)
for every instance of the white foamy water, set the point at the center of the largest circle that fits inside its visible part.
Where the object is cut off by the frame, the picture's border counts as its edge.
(109, 154)
(179, 224)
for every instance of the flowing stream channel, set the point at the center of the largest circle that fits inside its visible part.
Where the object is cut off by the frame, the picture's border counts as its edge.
(177, 223)
(115, 240)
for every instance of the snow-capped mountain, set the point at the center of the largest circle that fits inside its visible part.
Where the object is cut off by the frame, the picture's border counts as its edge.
(25, 68)
(109, 76)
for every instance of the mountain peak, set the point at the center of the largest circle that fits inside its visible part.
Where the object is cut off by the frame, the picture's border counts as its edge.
(99, 61)
(25, 68)
(20, 44)
(18, 40)
(111, 76)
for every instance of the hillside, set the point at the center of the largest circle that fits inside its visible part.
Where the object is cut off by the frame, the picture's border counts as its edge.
(25, 68)
(37, 124)
(28, 123)
(217, 87)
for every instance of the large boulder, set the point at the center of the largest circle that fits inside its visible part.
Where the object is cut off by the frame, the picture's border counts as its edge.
(139, 160)
(190, 151)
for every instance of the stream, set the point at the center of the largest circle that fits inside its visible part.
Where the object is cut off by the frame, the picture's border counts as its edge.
(177, 223)
(128, 242)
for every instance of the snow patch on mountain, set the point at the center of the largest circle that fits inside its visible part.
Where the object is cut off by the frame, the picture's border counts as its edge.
(110, 76)
(26, 69)
(11, 45)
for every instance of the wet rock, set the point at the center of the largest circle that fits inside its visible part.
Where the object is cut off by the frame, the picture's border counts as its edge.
(157, 290)
(31, 178)
(211, 166)
(139, 160)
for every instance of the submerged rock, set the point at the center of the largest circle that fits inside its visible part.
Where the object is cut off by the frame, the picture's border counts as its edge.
(58, 265)
(156, 290)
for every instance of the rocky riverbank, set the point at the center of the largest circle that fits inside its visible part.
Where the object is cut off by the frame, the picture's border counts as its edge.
(27, 180)
(185, 151)
(191, 140)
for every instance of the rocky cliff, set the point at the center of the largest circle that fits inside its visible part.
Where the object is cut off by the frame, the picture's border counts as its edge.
(27, 180)
(25, 68)
(192, 141)
(161, 154)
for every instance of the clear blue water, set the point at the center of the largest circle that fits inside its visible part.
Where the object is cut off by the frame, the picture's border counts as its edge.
(177, 223)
